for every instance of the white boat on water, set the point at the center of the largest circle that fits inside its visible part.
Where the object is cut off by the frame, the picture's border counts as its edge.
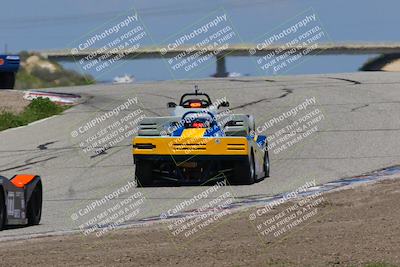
(124, 79)
(234, 74)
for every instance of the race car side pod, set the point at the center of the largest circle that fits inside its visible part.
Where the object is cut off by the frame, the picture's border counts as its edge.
(33, 195)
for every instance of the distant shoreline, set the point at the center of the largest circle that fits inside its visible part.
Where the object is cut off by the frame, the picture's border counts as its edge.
(386, 62)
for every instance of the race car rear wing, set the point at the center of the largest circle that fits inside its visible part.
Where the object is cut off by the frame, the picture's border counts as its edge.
(233, 125)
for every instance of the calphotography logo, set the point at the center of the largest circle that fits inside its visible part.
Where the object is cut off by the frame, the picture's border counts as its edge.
(109, 129)
(199, 45)
(198, 213)
(105, 48)
(291, 127)
(293, 209)
(111, 211)
(287, 45)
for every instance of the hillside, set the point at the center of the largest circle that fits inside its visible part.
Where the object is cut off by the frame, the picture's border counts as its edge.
(38, 72)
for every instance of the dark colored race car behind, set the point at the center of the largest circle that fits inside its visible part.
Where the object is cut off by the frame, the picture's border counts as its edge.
(20, 200)
(9, 65)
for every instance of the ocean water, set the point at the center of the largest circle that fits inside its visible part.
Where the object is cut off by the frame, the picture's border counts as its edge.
(63, 24)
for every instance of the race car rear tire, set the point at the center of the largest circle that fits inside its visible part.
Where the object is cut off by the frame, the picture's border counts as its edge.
(7, 80)
(143, 173)
(244, 173)
(2, 210)
(34, 207)
(267, 165)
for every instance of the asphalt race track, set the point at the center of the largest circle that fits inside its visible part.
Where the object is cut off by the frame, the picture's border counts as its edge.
(360, 132)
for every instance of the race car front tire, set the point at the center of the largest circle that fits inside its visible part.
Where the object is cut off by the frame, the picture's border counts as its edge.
(2, 210)
(143, 173)
(34, 207)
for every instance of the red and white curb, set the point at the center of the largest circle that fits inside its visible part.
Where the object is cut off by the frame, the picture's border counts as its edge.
(58, 98)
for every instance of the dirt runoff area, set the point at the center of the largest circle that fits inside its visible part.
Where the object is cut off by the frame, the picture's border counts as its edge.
(353, 227)
(12, 101)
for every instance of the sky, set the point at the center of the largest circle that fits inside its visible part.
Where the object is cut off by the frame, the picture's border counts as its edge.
(45, 24)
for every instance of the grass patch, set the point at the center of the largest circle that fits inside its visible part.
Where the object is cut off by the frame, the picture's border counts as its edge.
(38, 109)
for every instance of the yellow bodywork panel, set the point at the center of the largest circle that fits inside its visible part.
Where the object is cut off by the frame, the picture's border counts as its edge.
(192, 145)
(193, 133)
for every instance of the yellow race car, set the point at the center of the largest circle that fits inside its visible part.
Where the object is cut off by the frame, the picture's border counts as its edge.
(199, 143)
